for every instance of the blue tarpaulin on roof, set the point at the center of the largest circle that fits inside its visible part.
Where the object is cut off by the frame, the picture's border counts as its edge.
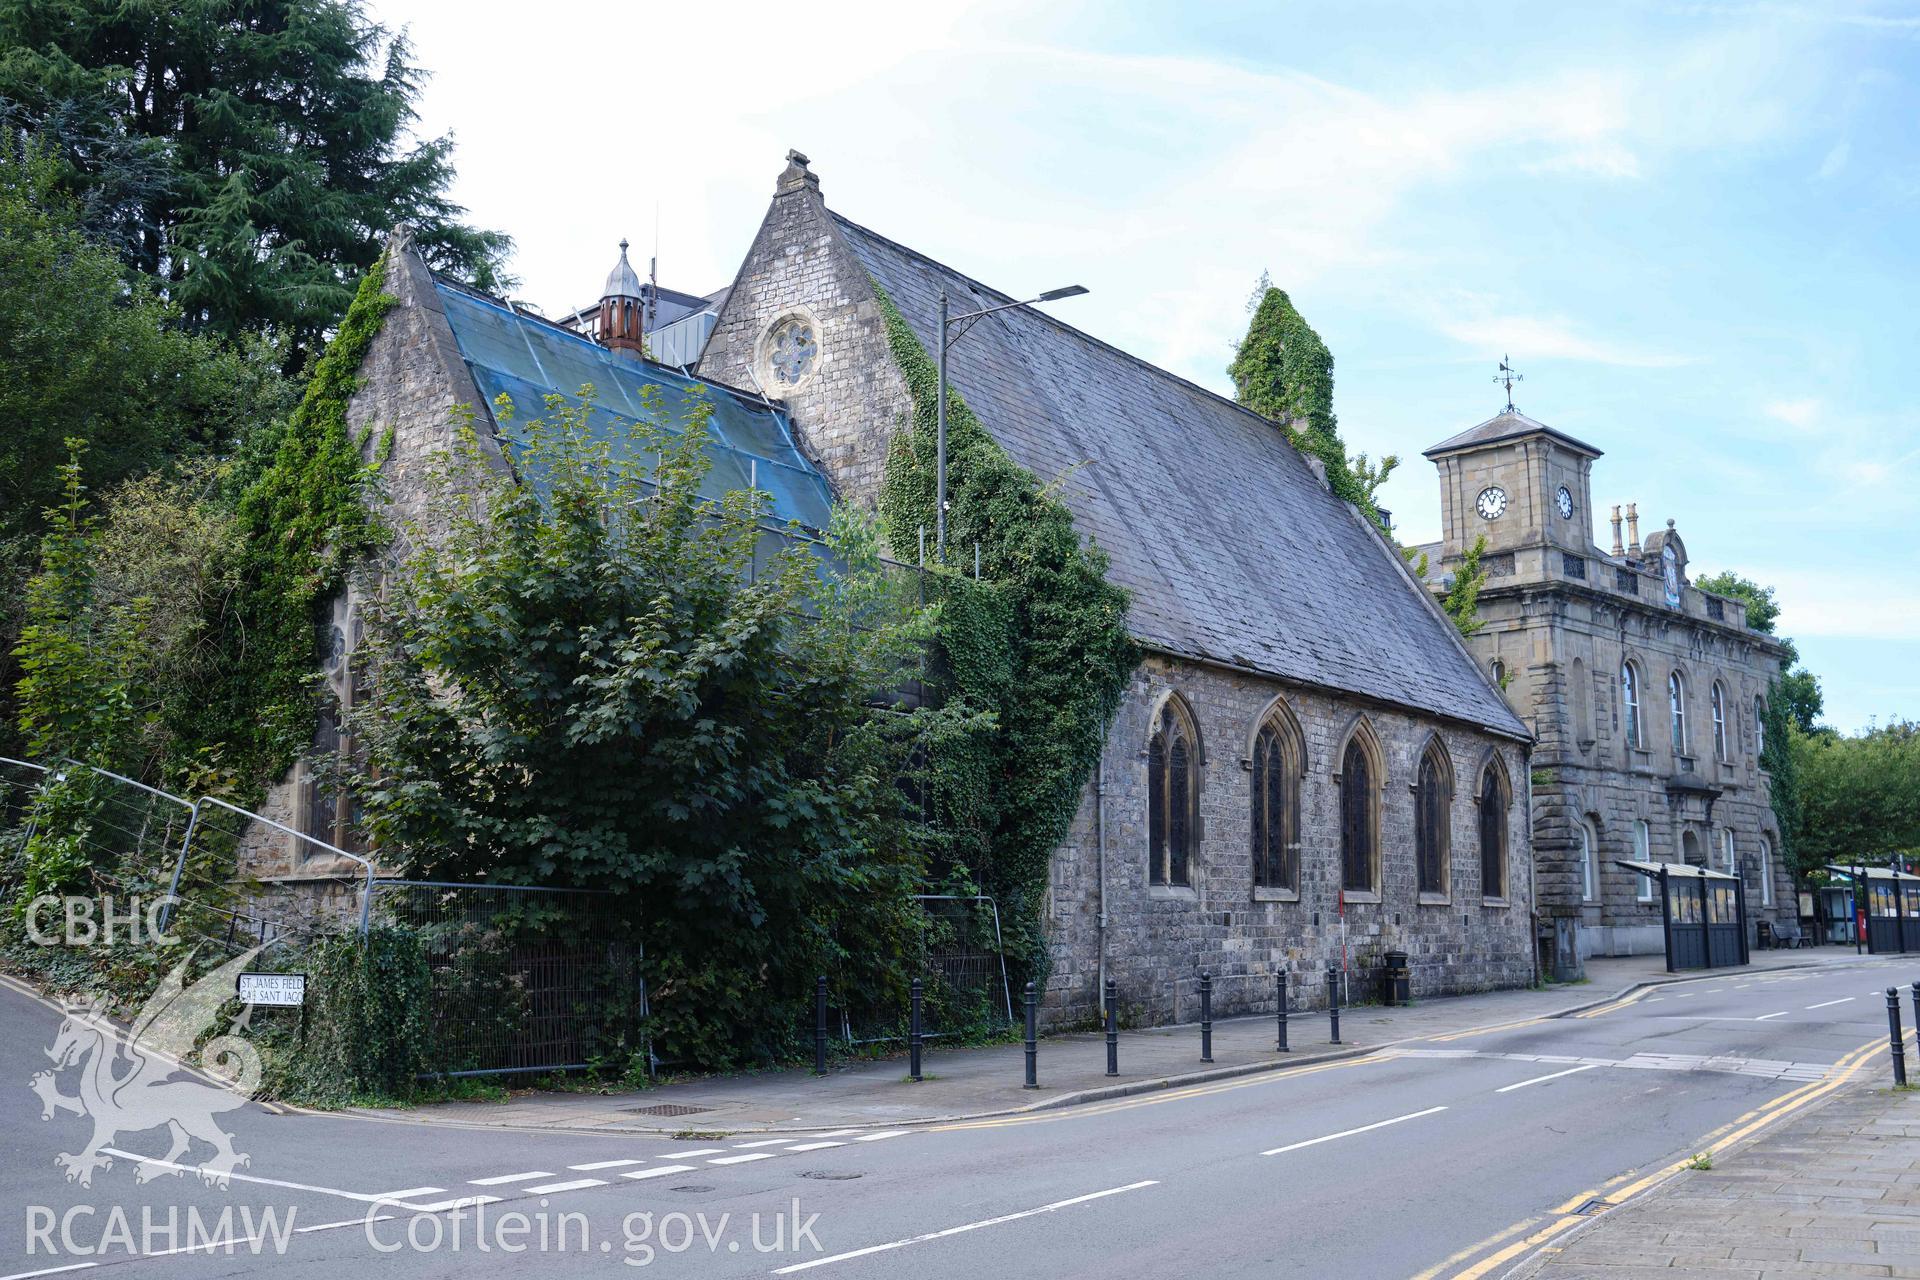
(750, 442)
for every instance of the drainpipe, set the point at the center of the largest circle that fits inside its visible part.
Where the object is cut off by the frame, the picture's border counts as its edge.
(1100, 840)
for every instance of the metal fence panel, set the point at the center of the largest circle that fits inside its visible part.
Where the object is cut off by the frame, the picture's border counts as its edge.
(524, 979)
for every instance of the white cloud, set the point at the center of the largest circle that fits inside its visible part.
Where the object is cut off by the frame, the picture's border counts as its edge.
(1840, 602)
(1529, 337)
(1836, 159)
(1802, 414)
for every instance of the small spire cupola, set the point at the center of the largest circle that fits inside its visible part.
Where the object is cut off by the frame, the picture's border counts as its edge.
(623, 308)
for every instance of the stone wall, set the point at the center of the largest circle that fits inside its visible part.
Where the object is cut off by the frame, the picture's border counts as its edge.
(855, 397)
(411, 382)
(1564, 646)
(1159, 938)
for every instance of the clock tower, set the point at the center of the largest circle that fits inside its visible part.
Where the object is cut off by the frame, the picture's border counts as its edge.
(1519, 483)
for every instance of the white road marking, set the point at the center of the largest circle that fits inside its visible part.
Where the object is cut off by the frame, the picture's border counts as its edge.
(1767, 1017)
(889, 1133)
(50, 1271)
(361, 1196)
(834, 1133)
(546, 1188)
(659, 1171)
(1685, 995)
(510, 1177)
(764, 1142)
(463, 1202)
(682, 1155)
(1828, 1004)
(814, 1146)
(603, 1164)
(751, 1155)
(1540, 1079)
(954, 1231)
(1348, 1133)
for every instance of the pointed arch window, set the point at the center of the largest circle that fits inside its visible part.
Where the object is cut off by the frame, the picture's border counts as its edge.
(1720, 751)
(1275, 790)
(1589, 862)
(1677, 711)
(1432, 805)
(1493, 832)
(1172, 791)
(1359, 834)
(1630, 695)
(1759, 727)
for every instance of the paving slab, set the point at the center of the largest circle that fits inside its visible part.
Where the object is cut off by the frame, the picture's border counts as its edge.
(1841, 1175)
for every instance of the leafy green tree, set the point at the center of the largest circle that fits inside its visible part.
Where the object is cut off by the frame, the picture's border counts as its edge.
(1860, 795)
(1284, 372)
(1797, 689)
(1462, 599)
(85, 355)
(599, 678)
(247, 156)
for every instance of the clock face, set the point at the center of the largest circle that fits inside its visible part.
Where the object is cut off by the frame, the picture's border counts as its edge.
(1563, 503)
(1492, 503)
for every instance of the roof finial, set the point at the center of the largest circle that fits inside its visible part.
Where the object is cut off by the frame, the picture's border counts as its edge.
(1507, 377)
(622, 281)
(796, 176)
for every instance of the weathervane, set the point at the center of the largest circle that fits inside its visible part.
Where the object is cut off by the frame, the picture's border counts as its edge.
(1507, 377)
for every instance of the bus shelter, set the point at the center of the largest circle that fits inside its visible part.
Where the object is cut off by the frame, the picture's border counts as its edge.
(1886, 906)
(1703, 913)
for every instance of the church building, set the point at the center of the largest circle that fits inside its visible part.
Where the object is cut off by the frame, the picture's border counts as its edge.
(1309, 767)
(1645, 693)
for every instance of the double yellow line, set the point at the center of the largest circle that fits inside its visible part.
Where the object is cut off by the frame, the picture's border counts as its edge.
(1563, 1218)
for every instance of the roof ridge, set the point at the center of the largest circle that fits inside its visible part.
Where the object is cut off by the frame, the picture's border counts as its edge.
(1058, 323)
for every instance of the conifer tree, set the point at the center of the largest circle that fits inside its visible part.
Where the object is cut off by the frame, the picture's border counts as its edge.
(247, 156)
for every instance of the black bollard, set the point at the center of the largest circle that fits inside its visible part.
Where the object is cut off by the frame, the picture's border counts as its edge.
(1916, 1008)
(913, 1031)
(820, 1025)
(1113, 1031)
(1206, 1016)
(1280, 1004)
(1899, 1050)
(1333, 1001)
(1033, 1043)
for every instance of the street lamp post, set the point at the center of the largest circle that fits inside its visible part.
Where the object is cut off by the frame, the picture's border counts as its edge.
(940, 401)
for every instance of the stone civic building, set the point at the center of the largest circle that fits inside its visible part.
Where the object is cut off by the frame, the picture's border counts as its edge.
(1308, 763)
(1645, 693)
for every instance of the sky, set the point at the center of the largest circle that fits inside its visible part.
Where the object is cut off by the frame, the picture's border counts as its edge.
(1691, 226)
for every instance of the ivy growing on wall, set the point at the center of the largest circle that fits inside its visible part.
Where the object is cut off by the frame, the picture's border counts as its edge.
(1040, 642)
(1284, 372)
(303, 522)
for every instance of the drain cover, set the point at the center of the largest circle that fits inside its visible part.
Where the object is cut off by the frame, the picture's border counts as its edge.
(1591, 1206)
(667, 1109)
(690, 1187)
(823, 1176)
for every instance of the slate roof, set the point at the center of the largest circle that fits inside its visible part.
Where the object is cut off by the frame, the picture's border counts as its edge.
(1508, 425)
(1230, 547)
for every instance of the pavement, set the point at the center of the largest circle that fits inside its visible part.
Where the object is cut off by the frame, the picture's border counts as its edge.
(1439, 1158)
(971, 1083)
(1835, 1192)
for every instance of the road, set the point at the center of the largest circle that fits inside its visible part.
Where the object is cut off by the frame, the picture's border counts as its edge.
(1448, 1157)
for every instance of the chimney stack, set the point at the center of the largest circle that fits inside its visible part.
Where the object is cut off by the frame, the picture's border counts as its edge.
(1618, 549)
(1633, 528)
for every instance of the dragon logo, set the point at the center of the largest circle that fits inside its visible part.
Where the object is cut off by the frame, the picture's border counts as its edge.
(137, 1079)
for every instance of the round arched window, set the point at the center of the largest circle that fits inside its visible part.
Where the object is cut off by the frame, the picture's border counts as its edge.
(793, 349)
